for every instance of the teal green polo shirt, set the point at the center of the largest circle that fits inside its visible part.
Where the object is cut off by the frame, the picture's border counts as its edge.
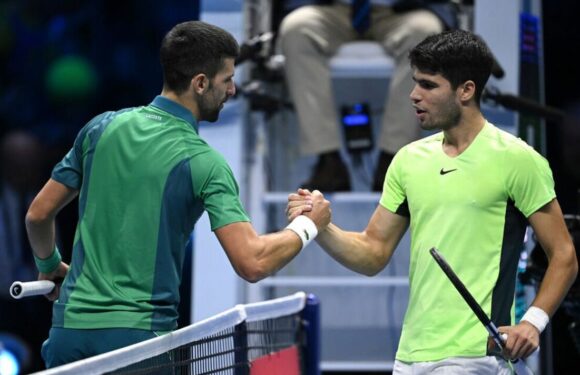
(144, 177)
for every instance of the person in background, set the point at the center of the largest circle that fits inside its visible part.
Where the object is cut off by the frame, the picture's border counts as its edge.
(310, 35)
(22, 171)
(143, 177)
(469, 191)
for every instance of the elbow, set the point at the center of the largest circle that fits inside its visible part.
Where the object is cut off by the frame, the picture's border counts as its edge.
(376, 263)
(567, 262)
(252, 279)
(574, 262)
(373, 269)
(35, 216)
(371, 272)
(252, 272)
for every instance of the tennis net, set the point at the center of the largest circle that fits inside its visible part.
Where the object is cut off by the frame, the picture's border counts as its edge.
(270, 337)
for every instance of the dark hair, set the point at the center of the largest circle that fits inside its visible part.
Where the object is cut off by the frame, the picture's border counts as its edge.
(191, 48)
(457, 55)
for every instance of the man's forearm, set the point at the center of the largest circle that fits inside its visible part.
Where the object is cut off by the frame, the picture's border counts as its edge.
(41, 234)
(41, 216)
(559, 276)
(352, 250)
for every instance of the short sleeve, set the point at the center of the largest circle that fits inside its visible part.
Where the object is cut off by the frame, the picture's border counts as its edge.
(394, 197)
(69, 170)
(529, 181)
(214, 182)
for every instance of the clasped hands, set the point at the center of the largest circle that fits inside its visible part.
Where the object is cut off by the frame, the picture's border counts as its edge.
(311, 204)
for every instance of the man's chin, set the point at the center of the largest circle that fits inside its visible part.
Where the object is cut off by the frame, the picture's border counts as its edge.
(211, 118)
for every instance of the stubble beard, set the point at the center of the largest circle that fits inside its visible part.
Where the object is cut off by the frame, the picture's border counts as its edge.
(447, 118)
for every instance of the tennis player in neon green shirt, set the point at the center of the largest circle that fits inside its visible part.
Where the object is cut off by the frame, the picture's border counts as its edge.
(144, 176)
(469, 191)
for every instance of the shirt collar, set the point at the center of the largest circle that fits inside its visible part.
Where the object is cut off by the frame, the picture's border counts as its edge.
(175, 109)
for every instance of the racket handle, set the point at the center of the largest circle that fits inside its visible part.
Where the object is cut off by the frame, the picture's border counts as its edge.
(520, 368)
(20, 289)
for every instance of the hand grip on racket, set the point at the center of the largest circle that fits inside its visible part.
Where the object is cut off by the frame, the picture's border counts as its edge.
(520, 367)
(20, 289)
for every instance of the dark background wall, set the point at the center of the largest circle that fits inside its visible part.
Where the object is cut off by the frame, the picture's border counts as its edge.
(561, 39)
(61, 63)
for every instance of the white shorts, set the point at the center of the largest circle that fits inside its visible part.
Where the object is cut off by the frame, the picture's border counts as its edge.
(456, 366)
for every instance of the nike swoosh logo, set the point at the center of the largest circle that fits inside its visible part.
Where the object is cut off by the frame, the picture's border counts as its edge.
(306, 235)
(442, 171)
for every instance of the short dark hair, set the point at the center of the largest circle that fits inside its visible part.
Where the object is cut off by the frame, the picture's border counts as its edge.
(191, 48)
(457, 55)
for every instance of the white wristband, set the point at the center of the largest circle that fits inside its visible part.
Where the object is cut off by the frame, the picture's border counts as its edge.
(536, 317)
(305, 228)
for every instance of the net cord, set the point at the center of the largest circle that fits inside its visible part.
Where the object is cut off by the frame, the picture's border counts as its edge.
(275, 308)
(122, 357)
(126, 356)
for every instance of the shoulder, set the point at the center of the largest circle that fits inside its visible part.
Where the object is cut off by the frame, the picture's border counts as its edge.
(206, 162)
(501, 139)
(514, 149)
(98, 123)
(204, 153)
(111, 115)
(522, 166)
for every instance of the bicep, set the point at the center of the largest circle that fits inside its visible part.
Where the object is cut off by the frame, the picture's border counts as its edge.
(234, 238)
(51, 199)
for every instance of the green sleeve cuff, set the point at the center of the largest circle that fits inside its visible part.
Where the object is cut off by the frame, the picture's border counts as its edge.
(49, 264)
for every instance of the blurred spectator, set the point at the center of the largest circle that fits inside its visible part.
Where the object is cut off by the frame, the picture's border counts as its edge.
(311, 34)
(21, 173)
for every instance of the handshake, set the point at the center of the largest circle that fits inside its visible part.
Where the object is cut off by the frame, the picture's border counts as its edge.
(366, 252)
(309, 214)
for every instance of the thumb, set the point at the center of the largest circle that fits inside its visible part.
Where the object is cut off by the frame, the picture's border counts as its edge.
(504, 332)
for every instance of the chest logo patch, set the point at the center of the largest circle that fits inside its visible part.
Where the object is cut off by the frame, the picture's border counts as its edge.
(443, 171)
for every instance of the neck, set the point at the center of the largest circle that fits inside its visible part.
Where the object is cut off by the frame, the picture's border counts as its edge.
(458, 138)
(185, 100)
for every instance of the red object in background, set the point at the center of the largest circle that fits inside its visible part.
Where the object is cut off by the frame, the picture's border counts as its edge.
(284, 362)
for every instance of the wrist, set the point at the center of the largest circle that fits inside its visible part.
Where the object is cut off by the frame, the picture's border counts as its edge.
(305, 228)
(536, 317)
(48, 265)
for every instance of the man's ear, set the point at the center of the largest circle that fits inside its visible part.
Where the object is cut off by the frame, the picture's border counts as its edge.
(467, 91)
(200, 83)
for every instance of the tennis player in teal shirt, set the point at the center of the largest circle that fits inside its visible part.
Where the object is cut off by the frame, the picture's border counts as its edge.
(469, 191)
(143, 177)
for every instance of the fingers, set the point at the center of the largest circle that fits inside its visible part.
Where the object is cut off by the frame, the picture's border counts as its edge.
(57, 276)
(294, 213)
(321, 213)
(312, 204)
(522, 340)
(298, 203)
(53, 296)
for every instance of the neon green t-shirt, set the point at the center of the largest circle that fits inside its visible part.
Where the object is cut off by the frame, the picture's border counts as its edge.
(144, 177)
(473, 209)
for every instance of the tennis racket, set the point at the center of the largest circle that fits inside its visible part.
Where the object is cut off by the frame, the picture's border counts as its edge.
(20, 289)
(520, 367)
